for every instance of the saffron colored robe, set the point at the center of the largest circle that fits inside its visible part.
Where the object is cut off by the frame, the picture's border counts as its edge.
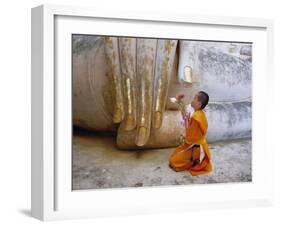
(195, 133)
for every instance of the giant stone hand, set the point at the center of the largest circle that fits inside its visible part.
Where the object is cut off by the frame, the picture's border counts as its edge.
(140, 70)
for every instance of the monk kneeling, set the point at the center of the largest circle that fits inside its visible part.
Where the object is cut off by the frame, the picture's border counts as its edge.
(194, 154)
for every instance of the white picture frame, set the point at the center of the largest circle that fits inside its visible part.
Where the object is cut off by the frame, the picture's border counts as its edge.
(52, 197)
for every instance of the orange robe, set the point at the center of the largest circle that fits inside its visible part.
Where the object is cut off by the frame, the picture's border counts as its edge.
(195, 133)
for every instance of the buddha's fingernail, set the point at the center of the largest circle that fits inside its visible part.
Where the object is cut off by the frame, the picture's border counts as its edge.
(118, 115)
(130, 122)
(157, 120)
(141, 136)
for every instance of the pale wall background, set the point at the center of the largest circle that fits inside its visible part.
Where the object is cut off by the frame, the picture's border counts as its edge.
(15, 112)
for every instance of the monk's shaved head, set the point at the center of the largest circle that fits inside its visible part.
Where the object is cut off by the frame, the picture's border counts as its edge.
(203, 98)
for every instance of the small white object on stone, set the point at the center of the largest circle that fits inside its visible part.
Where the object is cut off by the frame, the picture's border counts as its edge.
(187, 74)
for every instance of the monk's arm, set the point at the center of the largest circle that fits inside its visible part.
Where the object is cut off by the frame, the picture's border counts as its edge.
(186, 118)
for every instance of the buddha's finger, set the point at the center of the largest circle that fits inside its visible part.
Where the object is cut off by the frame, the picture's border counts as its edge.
(146, 51)
(113, 62)
(164, 63)
(127, 48)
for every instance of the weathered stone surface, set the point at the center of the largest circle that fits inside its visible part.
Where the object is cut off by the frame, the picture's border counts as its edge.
(231, 120)
(226, 121)
(92, 98)
(224, 77)
(98, 164)
(166, 136)
(246, 50)
(218, 68)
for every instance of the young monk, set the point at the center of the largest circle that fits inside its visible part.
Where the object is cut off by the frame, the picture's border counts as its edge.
(188, 156)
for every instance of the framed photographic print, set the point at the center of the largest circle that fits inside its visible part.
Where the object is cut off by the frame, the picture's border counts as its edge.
(136, 112)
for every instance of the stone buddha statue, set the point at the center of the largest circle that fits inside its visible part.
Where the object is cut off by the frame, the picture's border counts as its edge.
(123, 84)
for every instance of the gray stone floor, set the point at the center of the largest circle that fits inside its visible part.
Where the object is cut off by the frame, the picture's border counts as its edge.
(98, 164)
